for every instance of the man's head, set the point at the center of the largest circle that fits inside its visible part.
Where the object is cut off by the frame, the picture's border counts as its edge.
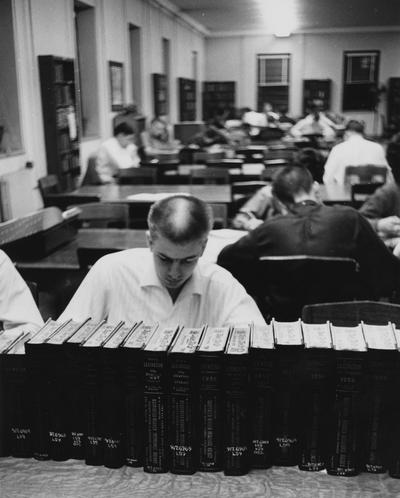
(354, 127)
(124, 133)
(393, 159)
(158, 128)
(178, 231)
(294, 184)
(313, 160)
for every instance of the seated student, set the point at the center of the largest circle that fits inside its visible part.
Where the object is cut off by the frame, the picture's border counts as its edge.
(117, 152)
(263, 205)
(169, 283)
(382, 208)
(18, 311)
(355, 150)
(310, 228)
(315, 123)
(157, 139)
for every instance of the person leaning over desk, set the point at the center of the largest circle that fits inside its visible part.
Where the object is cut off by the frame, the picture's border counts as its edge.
(18, 311)
(170, 283)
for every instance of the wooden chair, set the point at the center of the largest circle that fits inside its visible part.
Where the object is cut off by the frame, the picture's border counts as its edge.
(87, 256)
(361, 191)
(141, 176)
(91, 176)
(282, 285)
(351, 313)
(220, 215)
(201, 157)
(49, 185)
(225, 163)
(209, 176)
(104, 215)
(365, 174)
(285, 155)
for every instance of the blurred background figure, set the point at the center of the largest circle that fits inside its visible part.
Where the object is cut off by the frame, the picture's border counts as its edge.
(158, 138)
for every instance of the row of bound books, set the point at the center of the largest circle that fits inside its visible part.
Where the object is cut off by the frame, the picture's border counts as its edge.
(184, 399)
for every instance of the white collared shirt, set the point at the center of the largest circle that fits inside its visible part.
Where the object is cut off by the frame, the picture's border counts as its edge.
(125, 286)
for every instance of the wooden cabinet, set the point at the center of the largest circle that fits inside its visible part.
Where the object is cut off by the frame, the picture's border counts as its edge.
(187, 99)
(59, 107)
(393, 105)
(218, 96)
(316, 89)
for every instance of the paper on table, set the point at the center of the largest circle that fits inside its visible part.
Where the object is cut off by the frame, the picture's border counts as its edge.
(152, 197)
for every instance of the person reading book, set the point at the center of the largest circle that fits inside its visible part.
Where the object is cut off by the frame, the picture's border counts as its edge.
(18, 310)
(168, 283)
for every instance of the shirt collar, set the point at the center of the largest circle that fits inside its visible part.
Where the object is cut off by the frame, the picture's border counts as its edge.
(195, 284)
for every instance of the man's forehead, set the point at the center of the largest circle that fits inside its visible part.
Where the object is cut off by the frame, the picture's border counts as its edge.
(175, 250)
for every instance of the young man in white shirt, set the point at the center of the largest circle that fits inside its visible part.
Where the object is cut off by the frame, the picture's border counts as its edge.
(170, 284)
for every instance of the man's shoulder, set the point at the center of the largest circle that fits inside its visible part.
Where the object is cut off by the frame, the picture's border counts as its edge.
(215, 274)
(130, 258)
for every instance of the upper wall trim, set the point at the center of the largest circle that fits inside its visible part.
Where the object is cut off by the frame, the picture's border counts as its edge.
(330, 31)
(174, 10)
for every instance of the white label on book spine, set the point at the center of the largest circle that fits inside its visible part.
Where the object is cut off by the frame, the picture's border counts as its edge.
(348, 338)
(99, 336)
(83, 333)
(64, 334)
(239, 341)
(19, 348)
(118, 337)
(262, 337)
(187, 340)
(379, 337)
(161, 340)
(5, 341)
(45, 332)
(317, 335)
(288, 333)
(214, 339)
(140, 336)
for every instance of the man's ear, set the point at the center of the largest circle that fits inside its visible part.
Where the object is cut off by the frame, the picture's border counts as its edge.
(203, 245)
(149, 240)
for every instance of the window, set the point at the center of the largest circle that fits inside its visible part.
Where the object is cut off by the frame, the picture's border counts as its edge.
(86, 68)
(360, 80)
(10, 132)
(273, 80)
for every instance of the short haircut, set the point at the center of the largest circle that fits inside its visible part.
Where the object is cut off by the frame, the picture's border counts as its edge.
(393, 159)
(356, 126)
(124, 129)
(180, 219)
(313, 160)
(291, 181)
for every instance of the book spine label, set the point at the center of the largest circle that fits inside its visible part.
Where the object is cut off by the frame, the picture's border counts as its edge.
(94, 454)
(155, 412)
(182, 444)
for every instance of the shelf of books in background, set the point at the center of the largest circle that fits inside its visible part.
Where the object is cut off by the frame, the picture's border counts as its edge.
(185, 399)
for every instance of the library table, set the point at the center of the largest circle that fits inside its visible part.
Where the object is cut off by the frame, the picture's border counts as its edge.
(28, 478)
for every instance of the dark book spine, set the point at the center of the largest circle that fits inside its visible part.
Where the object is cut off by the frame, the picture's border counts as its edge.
(59, 431)
(261, 362)
(210, 406)
(133, 406)
(379, 378)
(17, 407)
(155, 412)
(286, 408)
(318, 396)
(39, 381)
(344, 447)
(94, 452)
(4, 448)
(76, 399)
(182, 443)
(394, 423)
(236, 427)
(112, 410)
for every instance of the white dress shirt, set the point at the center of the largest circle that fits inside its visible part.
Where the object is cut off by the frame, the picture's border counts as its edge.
(309, 125)
(125, 286)
(18, 310)
(354, 151)
(111, 157)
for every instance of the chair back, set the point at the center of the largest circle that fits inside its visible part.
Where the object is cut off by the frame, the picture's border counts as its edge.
(283, 154)
(368, 173)
(361, 191)
(91, 176)
(87, 256)
(104, 215)
(140, 176)
(351, 313)
(225, 163)
(209, 176)
(201, 157)
(284, 284)
(49, 185)
(220, 215)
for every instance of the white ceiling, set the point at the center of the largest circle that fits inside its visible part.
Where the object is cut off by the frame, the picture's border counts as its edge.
(219, 16)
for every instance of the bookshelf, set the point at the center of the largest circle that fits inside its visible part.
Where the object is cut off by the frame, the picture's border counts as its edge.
(218, 95)
(393, 105)
(160, 94)
(59, 106)
(187, 99)
(316, 89)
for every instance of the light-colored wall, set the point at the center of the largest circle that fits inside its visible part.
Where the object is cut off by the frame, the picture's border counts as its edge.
(313, 56)
(47, 27)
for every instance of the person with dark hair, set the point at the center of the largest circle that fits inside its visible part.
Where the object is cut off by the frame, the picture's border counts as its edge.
(117, 152)
(355, 150)
(170, 283)
(312, 229)
(315, 124)
(263, 205)
(157, 140)
(382, 208)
